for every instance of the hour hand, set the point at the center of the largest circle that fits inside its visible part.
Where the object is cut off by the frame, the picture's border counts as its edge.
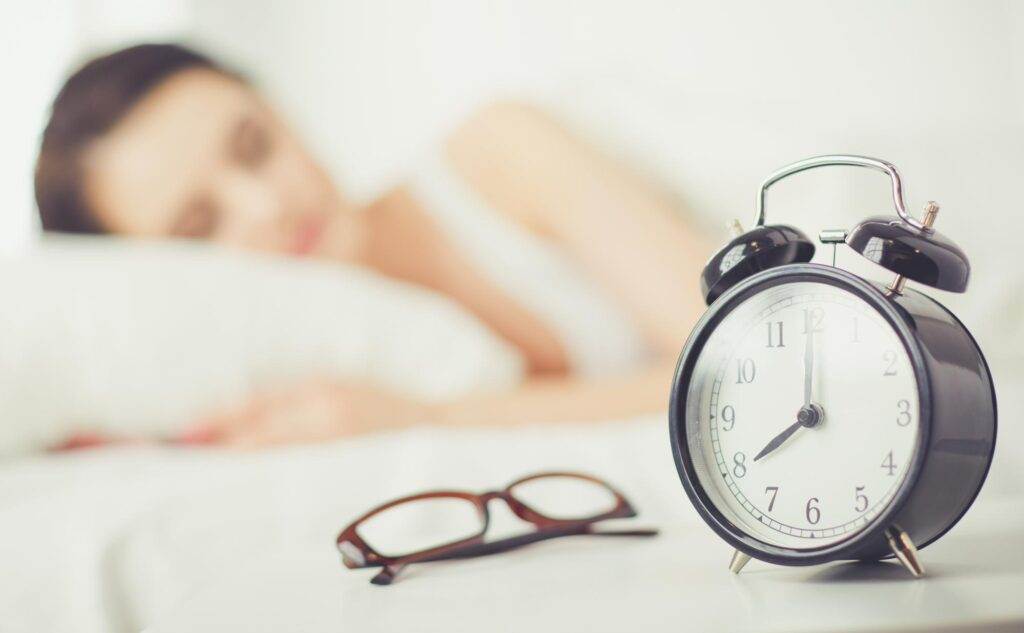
(808, 416)
(779, 439)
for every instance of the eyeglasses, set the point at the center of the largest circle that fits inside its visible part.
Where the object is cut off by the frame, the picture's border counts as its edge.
(446, 524)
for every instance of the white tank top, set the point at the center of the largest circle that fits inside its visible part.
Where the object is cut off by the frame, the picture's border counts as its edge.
(598, 336)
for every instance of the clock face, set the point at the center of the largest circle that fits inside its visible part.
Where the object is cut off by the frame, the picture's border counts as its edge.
(802, 414)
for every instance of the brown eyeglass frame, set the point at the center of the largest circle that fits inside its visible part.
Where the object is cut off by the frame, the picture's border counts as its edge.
(357, 554)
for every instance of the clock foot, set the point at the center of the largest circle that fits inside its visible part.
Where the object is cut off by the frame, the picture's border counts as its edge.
(904, 550)
(739, 559)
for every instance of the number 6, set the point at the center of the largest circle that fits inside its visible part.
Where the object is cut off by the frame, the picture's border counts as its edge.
(812, 511)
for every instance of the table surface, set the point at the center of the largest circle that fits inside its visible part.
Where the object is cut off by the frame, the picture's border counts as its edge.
(676, 582)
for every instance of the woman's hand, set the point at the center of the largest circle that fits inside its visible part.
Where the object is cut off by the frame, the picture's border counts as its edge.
(313, 412)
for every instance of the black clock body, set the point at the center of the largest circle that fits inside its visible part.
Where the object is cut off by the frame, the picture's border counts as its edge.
(956, 434)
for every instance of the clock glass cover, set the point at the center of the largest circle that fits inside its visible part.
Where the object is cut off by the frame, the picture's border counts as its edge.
(802, 414)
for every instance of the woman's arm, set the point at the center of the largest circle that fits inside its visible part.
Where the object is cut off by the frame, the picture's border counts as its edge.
(626, 233)
(323, 410)
(563, 400)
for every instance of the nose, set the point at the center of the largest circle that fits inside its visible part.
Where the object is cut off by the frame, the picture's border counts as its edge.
(249, 205)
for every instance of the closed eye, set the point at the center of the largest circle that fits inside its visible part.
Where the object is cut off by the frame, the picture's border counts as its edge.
(249, 144)
(199, 219)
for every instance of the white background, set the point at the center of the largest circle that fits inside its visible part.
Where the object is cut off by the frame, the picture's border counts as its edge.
(706, 97)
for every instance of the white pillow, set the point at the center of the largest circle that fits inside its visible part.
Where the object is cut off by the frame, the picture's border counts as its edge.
(140, 338)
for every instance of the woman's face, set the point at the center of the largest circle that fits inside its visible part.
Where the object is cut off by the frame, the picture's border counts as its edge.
(203, 156)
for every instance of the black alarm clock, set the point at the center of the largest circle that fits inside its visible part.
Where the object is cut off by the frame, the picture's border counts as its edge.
(819, 416)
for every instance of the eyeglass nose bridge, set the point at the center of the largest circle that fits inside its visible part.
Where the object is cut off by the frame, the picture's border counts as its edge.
(520, 509)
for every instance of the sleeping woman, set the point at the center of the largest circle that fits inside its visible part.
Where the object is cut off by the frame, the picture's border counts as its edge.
(583, 267)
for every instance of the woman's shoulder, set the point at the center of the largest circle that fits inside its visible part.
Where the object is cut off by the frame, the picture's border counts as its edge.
(496, 151)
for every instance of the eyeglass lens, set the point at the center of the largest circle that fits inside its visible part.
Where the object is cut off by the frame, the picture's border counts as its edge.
(421, 524)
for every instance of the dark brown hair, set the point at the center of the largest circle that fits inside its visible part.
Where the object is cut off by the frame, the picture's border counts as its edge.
(94, 99)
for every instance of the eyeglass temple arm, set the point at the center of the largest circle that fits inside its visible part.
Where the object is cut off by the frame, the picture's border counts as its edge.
(513, 542)
(388, 572)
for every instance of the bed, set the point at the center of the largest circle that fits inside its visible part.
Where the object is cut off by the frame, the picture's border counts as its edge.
(190, 539)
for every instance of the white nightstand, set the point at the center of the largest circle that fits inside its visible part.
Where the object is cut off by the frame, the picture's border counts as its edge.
(675, 582)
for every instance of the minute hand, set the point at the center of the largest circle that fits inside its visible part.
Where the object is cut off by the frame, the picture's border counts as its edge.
(808, 366)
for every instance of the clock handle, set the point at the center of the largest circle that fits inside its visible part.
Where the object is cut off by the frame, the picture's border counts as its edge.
(848, 160)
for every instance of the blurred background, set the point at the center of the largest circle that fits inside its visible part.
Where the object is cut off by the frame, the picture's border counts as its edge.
(705, 97)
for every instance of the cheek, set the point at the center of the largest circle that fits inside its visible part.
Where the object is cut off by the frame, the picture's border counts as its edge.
(248, 228)
(303, 183)
(128, 201)
(263, 241)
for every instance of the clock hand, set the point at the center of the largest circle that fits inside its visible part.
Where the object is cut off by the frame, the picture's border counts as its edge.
(810, 414)
(779, 439)
(808, 366)
(807, 416)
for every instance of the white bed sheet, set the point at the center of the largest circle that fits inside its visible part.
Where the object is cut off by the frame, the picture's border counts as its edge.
(111, 540)
(115, 540)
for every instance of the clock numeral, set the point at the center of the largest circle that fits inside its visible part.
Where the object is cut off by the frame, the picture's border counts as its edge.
(889, 465)
(889, 357)
(728, 417)
(903, 418)
(773, 328)
(813, 318)
(812, 512)
(774, 491)
(745, 370)
(739, 468)
(862, 499)
(856, 332)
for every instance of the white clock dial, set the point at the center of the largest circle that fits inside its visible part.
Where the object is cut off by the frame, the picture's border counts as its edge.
(802, 480)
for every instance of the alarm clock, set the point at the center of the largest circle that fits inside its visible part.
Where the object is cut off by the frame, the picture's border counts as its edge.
(818, 416)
